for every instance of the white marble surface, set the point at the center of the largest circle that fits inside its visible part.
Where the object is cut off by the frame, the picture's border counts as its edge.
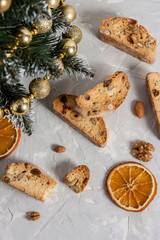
(90, 215)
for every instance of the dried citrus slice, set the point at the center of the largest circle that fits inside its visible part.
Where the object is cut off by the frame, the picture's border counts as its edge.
(9, 138)
(131, 186)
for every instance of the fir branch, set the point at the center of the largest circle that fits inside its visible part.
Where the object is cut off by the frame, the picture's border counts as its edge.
(24, 122)
(60, 23)
(24, 11)
(39, 58)
(78, 67)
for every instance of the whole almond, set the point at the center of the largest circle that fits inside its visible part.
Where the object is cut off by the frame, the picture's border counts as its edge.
(60, 149)
(139, 109)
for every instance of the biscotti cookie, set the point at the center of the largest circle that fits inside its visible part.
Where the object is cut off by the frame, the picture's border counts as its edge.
(105, 97)
(78, 178)
(126, 35)
(94, 129)
(30, 179)
(153, 86)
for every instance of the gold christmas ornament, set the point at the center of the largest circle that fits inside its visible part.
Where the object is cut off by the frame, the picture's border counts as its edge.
(23, 37)
(20, 105)
(1, 113)
(70, 46)
(69, 12)
(43, 25)
(75, 34)
(53, 3)
(39, 87)
(5, 5)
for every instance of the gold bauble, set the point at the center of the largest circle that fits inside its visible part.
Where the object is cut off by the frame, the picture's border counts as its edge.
(5, 5)
(70, 46)
(53, 3)
(43, 25)
(40, 88)
(1, 113)
(69, 12)
(23, 37)
(20, 105)
(75, 33)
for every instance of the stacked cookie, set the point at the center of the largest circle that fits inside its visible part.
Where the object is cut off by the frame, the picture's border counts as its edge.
(84, 112)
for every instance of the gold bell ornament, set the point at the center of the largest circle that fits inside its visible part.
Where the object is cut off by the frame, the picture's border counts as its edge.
(20, 105)
(5, 5)
(23, 37)
(70, 46)
(53, 3)
(40, 88)
(75, 34)
(69, 12)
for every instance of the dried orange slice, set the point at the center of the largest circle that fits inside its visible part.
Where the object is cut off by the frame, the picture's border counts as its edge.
(9, 138)
(131, 186)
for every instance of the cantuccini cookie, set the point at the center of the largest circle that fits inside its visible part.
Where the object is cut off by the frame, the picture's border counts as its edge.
(126, 35)
(153, 86)
(78, 178)
(92, 128)
(105, 97)
(30, 179)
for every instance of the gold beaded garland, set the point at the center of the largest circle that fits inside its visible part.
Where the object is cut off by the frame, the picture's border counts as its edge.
(60, 65)
(23, 37)
(40, 88)
(75, 33)
(70, 46)
(5, 5)
(69, 12)
(53, 3)
(20, 105)
(43, 25)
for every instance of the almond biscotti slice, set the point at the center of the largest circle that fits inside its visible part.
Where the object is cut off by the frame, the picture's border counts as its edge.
(78, 178)
(30, 179)
(94, 129)
(105, 97)
(126, 35)
(153, 86)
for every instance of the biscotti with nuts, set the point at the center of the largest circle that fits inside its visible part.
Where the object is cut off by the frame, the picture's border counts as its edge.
(78, 178)
(105, 97)
(30, 179)
(153, 86)
(126, 35)
(92, 128)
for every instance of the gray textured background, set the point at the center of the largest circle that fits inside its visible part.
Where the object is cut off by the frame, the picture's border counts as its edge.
(91, 214)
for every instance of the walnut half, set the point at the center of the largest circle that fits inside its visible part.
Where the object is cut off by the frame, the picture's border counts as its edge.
(33, 216)
(141, 151)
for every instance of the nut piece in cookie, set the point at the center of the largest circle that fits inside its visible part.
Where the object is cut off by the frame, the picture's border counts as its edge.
(33, 216)
(78, 178)
(141, 151)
